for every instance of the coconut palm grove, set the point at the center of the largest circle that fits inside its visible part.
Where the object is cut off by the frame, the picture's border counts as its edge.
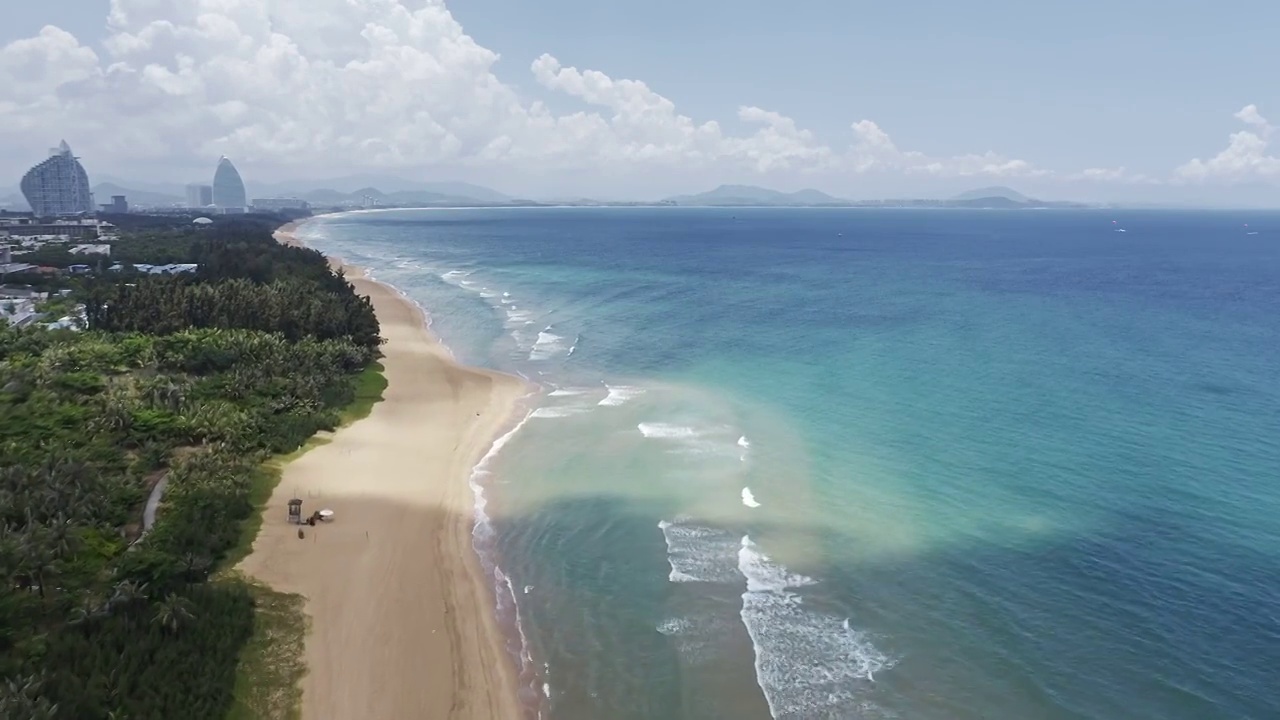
(192, 384)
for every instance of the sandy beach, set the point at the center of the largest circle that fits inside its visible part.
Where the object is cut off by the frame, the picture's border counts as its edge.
(401, 619)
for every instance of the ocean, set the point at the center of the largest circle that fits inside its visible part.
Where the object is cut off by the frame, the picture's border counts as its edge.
(836, 463)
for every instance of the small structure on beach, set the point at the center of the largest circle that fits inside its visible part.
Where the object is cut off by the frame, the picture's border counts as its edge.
(295, 511)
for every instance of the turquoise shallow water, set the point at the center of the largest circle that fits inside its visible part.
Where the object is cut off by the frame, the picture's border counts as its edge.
(880, 464)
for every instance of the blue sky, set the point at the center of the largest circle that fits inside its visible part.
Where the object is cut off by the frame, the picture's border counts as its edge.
(1141, 85)
(1095, 83)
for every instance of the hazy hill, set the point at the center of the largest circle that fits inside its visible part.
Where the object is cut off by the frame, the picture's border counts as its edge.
(352, 187)
(145, 186)
(1003, 198)
(102, 193)
(323, 196)
(403, 198)
(347, 189)
(731, 195)
(997, 191)
(11, 199)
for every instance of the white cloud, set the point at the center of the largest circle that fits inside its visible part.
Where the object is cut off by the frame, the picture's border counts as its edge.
(1245, 157)
(1103, 174)
(1116, 175)
(311, 85)
(873, 149)
(35, 71)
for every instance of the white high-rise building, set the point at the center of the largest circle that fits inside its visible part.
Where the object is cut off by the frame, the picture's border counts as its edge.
(58, 185)
(228, 188)
(199, 195)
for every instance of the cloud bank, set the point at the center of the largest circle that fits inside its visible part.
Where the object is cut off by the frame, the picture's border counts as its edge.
(311, 84)
(1245, 157)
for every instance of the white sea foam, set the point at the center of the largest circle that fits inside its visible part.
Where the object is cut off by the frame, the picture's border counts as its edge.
(574, 347)
(505, 591)
(620, 394)
(567, 392)
(697, 637)
(748, 499)
(808, 664)
(744, 443)
(557, 412)
(458, 278)
(698, 554)
(427, 317)
(519, 317)
(673, 626)
(483, 530)
(712, 440)
(547, 345)
(667, 431)
(482, 538)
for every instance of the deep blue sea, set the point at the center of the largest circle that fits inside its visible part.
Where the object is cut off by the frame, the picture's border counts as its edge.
(925, 465)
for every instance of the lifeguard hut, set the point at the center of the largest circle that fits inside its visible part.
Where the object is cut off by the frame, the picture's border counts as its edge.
(295, 511)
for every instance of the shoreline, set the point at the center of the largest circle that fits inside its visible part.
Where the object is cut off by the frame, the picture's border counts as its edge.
(402, 616)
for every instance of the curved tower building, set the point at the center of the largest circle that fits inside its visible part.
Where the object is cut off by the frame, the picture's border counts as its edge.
(58, 185)
(228, 188)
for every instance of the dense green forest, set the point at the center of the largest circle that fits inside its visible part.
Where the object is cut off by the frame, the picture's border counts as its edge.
(194, 381)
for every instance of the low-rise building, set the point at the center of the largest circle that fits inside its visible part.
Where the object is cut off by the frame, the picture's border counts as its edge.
(171, 269)
(70, 229)
(67, 322)
(17, 312)
(96, 249)
(20, 292)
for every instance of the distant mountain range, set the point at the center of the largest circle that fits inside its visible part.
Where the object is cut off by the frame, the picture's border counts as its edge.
(446, 194)
(390, 191)
(743, 195)
(747, 196)
(355, 186)
(351, 190)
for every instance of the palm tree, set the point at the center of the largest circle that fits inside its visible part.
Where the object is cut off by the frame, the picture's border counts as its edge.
(173, 612)
(88, 608)
(21, 698)
(126, 592)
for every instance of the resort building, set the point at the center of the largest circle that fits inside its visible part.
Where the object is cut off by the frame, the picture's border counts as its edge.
(228, 188)
(280, 204)
(118, 205)
(58, 185)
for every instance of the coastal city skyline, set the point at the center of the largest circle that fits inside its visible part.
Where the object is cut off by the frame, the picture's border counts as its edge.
(60, 185)
(547, 114)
